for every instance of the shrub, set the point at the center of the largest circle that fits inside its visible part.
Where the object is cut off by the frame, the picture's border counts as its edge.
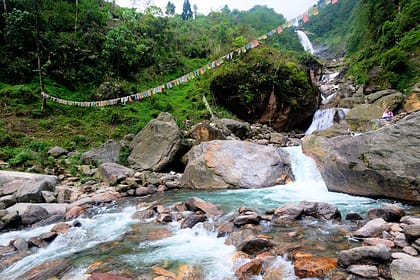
(394, 60)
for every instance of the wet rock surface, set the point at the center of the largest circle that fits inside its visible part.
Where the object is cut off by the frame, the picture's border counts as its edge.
(225, 164)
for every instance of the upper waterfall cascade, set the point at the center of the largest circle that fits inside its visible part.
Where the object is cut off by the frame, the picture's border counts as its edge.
(304, 40)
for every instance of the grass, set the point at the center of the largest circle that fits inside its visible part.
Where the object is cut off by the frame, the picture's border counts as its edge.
(23, 125)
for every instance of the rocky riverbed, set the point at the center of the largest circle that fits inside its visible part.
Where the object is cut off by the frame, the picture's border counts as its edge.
(360, 155)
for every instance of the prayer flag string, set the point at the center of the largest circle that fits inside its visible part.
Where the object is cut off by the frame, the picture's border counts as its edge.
(305, 17)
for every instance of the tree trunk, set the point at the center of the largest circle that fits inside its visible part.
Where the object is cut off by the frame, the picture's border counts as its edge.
(76, 16)
(38, 53)
(4, 6)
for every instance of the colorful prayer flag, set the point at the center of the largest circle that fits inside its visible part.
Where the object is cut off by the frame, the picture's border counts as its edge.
(305, 17)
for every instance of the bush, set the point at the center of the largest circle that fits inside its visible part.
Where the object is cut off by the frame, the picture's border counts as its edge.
(394, 60)
(21, 158)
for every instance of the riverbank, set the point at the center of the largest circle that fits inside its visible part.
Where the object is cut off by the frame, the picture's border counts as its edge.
(152, 239)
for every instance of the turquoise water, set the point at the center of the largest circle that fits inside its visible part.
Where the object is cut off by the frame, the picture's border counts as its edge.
(110, 236)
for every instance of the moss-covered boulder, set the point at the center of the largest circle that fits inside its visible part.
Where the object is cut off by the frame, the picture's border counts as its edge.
(361, 118)
(268, 88)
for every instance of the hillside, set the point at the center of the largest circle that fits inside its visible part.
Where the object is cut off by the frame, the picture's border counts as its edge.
(380, 40)
(92, 50)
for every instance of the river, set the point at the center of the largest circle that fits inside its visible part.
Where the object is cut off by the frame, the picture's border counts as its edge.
(109, 234)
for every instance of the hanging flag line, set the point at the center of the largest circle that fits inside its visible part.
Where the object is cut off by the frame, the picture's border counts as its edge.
(313, 11)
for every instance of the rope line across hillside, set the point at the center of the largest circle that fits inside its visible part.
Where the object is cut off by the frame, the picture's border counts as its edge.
(313, 11)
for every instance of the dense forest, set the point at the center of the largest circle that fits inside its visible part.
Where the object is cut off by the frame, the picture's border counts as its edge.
(94, 50)
(382, 34)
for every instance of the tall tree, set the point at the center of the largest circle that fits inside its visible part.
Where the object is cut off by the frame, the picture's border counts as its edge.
(186, 10)
(170, 9)
(195, 8)
(38, 52)
(4, 6)
(76, 16)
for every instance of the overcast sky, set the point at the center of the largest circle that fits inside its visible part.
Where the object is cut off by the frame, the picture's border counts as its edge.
(289, 8)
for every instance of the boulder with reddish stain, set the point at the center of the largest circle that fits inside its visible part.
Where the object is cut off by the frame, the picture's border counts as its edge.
(74, 213)
(190, 272)
(163, 272)
(311, 266)
(249, 269)
(48, 270)
(61, 228)
(235, 164)
(197, 204)
(205, 131)
(412, 100)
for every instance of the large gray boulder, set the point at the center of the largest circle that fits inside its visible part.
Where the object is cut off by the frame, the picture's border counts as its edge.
(361, 118)
(31, 191)
(108, 152)
(235, 164)
(237, 128)
(405, 267)
(113, 173)
(373, 228)
(57, 152)
(297, 210)
(381, 163)
(381, 97)
(51, 208)
(156, 145)
(26, 187)
(364, 254)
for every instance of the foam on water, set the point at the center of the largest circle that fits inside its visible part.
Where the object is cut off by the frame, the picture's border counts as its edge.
(198, 245)
(98, 229)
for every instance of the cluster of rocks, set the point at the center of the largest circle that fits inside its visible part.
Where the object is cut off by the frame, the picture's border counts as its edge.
(391, 246)
(390, 240)
(365, 103)
(188, 213)
(160, 145)
(32, 199)
(363, 154)
(249, 232)
(390, 250)
(258, 247)
(20, 248)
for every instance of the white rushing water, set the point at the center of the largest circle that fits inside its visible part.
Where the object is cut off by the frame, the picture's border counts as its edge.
(304, 40)
(100, 228)
(198, 245)
(322, 119)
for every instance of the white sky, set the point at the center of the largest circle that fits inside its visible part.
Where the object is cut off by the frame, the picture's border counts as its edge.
(289, 8)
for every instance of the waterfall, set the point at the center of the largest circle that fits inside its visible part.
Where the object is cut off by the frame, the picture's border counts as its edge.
(322, 119)
(304, 40)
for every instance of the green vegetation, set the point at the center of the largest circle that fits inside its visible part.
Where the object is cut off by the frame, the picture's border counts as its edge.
(252, 79)
(94, 50)
(382, 34)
